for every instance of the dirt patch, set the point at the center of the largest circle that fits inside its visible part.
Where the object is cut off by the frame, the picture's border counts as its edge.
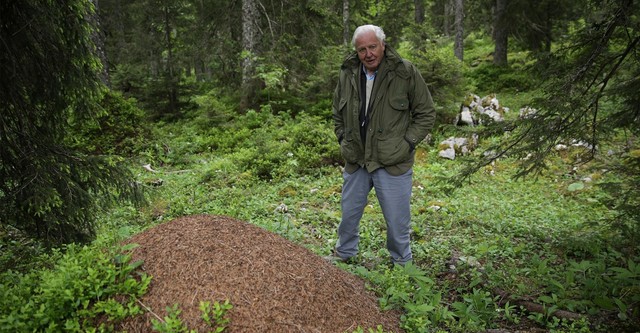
(273, 284)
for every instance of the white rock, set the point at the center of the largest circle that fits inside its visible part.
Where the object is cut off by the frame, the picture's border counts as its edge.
(560, 147)
(527, 112)
(465, 117)
(449, 153)
(495, 115)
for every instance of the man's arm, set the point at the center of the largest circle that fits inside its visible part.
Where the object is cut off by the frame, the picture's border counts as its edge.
(338, 121)
(423, 112)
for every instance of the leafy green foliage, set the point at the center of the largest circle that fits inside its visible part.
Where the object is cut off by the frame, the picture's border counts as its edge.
(87, 290)
(589, 98)
(48, 190)
(214, 316)
(260, 144)
(567, 240)
(489, 78)
(117, 129)
(171, 322)
(442, 71)
(378, 329)
(411, 289)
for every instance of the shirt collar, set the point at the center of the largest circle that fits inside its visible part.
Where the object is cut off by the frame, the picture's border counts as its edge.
(369, 77)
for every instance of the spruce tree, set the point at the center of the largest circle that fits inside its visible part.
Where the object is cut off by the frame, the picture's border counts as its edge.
(590, 97)
(49, 76)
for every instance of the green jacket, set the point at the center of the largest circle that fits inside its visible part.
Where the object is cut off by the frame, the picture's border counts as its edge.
(401, 115)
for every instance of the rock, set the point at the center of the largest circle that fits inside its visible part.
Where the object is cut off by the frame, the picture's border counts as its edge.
(473, 106)
(527, 112)
(490, 101)
(448, 153)
(577, 143)
(452, 146)
(464, 118)
(493, 115)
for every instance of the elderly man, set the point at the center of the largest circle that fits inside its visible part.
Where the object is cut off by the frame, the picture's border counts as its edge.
(382, 109)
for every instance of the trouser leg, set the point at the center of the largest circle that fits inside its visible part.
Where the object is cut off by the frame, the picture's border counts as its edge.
(394, 196)
(355, 190)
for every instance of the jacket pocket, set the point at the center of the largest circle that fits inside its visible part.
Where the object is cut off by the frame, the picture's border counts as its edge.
(393, 150)
(350, 148)
(399, 103)
(342, 104)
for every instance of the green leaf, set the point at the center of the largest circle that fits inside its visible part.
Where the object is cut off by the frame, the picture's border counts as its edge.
(136, 264)
(576, 187)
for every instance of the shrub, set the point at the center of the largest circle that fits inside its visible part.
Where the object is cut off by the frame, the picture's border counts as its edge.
(489, 78)
(118, 129)
(442, 72)
(87, 289)
(275, 146)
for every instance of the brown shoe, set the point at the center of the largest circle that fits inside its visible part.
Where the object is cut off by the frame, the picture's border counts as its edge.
(335, 258)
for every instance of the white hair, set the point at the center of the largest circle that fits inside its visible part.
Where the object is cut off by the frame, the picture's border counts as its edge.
(368, 28)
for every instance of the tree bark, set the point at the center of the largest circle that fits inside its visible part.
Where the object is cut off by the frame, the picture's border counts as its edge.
(548, 29)
(249, 40)
(500, 33)
(170, 80)
(419, 11)
(346, 32)
(446, 21)
(98, 39)
(458, 48)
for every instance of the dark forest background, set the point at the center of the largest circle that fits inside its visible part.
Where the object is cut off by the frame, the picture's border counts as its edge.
(92, 90)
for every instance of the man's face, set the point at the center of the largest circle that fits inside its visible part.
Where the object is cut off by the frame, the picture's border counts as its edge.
(370, 50)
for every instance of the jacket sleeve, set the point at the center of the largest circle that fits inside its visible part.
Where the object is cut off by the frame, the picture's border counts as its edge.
(338, 119)
(423, 112)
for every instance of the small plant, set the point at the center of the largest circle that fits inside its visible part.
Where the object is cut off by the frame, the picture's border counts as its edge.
(477, 309)
(409, 288)
(212, 314)
(378, 329)
(171, 323)
(219, 321)
(87, 290)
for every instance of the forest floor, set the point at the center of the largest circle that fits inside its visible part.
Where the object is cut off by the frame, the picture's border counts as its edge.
(273, 284)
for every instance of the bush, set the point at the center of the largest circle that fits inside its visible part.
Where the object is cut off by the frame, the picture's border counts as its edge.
(442, 72)
(284, 146)
(119, 128)
(489, 78)
(87, 290)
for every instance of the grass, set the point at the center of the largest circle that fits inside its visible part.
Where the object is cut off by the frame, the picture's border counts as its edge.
(534, 239)
(543, 240)
(540, 240)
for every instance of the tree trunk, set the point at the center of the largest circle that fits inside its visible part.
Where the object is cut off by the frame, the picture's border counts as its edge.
(548, 29)
(346, 32)
(458, 48)
(500, 33)
(419, 12)
(98, 39)
(446, 22)
(249, 40)
(170, 81)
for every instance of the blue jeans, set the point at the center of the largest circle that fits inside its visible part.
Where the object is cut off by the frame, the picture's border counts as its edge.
(394, 196)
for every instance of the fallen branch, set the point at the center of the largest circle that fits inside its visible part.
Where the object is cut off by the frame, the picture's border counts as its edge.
(505, 297)
(534, 307)
(149, 310)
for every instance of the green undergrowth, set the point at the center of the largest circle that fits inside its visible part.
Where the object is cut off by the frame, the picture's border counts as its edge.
(480, 251)
(87, 290)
